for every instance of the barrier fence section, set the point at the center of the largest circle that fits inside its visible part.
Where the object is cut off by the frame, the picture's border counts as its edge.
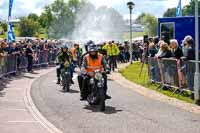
(10, 64)
(172, 73)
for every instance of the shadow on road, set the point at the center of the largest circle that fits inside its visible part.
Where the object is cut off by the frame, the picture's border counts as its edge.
(2, 94)
(71, 91)
(109, 109)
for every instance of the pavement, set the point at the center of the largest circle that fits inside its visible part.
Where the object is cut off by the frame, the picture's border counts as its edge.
(126, 112)
(33, 103)
(16, 110)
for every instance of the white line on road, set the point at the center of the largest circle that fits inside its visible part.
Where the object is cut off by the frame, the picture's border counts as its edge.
(23, 121)
(8, 100)
(13, 109)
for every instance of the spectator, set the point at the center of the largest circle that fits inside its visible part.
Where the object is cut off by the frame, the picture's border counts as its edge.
(3, 47)
(176, 50)
(156, 42)
(178, 53)
(159, 50)
(164, 51)
(29, 55)
(152, 50)
(189, 54)
(10, 49)
(188, 48)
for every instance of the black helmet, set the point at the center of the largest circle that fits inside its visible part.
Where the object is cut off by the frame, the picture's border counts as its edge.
(90, 42)
(65, 46)
(92, 48)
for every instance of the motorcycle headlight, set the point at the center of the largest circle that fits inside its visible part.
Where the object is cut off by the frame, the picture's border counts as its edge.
(91, 81)
(67, 73)
(98, 76)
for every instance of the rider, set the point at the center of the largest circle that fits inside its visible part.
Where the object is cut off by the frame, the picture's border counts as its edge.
(58, 62)
(64, 60)
(92, 61)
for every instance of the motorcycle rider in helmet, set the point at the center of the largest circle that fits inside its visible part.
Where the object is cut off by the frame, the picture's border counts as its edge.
(64, 60)
(92, 57)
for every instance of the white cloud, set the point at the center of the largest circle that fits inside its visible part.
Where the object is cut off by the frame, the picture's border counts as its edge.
(156, 7)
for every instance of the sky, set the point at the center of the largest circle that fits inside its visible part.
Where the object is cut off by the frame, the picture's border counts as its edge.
(156, 7)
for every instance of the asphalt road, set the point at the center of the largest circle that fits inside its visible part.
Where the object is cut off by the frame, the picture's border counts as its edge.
(127, 112)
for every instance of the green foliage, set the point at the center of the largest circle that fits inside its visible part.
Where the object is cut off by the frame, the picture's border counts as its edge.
(4, 26)
(61, 18)
(187, 10)
(33, 16)
(46, 18)
(171, 12)
(139, 18)
(150, 22)
(132, 73)
(28, 27)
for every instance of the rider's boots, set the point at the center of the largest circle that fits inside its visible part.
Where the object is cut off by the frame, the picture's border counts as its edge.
(58, 81)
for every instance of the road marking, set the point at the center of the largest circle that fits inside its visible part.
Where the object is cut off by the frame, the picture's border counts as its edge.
(13, 109)
(7, 100)
(23, 121)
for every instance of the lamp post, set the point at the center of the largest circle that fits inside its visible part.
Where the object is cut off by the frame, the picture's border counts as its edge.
(131, 6)
(197, 74)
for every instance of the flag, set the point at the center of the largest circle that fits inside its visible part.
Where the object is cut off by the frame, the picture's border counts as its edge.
(10, 7)
(179, 9)
(11, 35)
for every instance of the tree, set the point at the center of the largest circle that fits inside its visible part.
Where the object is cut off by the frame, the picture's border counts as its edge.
(139, 18)
(4, 26)
(33, 16)
(28, 27)
(171, 12)
(150, 23)
(60, 17)
(46, 18)
(187, 10)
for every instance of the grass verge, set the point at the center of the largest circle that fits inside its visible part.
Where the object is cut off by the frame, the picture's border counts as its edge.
(131, 73)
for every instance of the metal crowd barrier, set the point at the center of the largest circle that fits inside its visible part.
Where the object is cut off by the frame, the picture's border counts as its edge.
(10, 64)
(172, 73)
(52, 56)
(154, 70)
(23, 62)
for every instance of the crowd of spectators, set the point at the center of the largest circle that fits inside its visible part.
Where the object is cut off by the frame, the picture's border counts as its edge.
(182, 53)
(28, 48)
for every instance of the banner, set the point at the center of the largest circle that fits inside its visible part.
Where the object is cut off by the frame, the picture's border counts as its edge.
(11, 35)
(10, 8)
(179, 9)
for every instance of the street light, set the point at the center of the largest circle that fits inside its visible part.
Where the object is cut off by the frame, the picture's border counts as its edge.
(197, 74)
(131, 6)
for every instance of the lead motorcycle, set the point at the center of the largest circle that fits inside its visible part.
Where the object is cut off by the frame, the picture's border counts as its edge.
(96, 89)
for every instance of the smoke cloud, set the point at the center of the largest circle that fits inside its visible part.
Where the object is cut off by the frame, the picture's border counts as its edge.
(98, 23)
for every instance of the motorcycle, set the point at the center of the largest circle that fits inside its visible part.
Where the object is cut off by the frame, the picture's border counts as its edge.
(65, 77)
(96, 88)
